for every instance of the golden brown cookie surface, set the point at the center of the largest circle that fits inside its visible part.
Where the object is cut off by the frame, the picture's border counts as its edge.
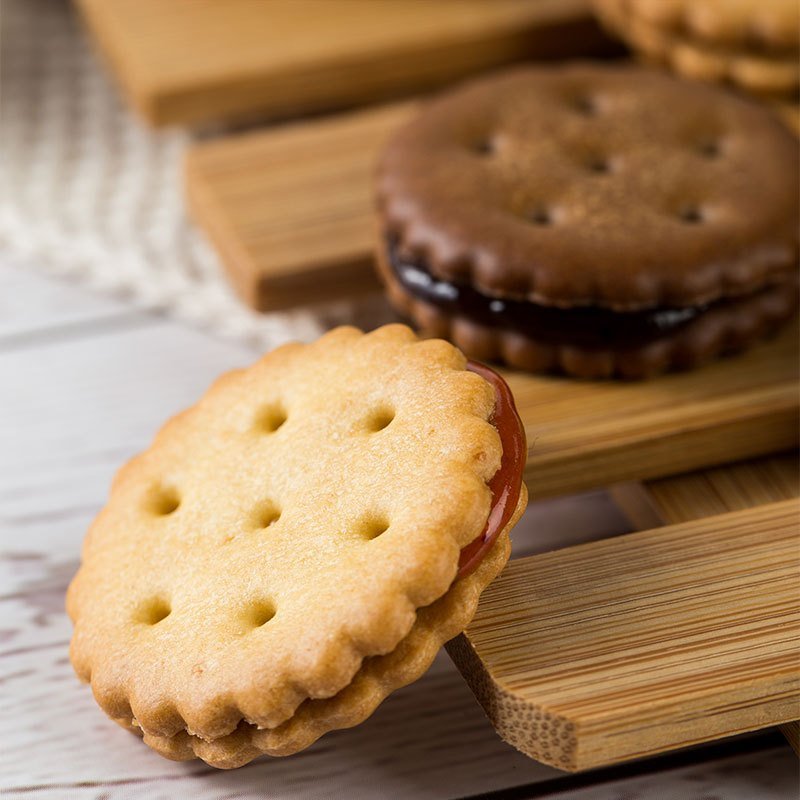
(284, 529)
(758, 25)
(375, 680)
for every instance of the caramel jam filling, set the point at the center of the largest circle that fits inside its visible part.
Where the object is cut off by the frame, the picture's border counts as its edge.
(506, 483)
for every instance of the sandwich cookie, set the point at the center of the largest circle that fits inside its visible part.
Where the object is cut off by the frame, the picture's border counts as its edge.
(297, 545)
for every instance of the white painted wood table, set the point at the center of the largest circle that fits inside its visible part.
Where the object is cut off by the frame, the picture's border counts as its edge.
(84, 384)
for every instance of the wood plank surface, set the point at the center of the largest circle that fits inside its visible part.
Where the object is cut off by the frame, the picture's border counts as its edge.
(730, 487)
(181, 62)
(642, 643)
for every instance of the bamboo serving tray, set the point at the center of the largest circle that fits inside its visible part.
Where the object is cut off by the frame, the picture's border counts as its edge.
(206, 60)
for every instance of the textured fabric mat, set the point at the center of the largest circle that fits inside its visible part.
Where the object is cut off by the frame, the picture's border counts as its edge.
(89, 193)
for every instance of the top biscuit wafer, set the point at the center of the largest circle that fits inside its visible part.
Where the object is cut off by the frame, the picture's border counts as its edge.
(763, 25)
(613, 186)
(283, 529)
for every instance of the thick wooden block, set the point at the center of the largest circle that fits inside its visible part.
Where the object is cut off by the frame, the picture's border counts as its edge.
(642, 643)
(189, 62)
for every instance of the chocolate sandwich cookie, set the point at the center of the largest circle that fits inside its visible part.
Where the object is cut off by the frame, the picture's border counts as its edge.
(595, 220)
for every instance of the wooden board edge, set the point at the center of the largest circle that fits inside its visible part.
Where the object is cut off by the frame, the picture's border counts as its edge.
(695, 446)
(791, 730)
(325, 282)
(204, 210)
(561, 29)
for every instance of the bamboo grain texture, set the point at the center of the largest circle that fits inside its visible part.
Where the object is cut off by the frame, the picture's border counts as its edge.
(206, 60)
(642, 643)
(730, 487)
(584, 435)
(290, 208)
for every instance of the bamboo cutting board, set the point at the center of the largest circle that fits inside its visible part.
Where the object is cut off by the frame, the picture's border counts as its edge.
(206, 60)
(646, 642)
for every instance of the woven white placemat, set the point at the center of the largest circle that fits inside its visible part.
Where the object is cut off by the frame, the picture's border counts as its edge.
(88, 192)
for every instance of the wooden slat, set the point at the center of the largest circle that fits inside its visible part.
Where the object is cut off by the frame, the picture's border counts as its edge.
(727, 488)
(290, 209)
(730, 487)
(583, 435)
(791, 730)
(642, 643)
(186, 62)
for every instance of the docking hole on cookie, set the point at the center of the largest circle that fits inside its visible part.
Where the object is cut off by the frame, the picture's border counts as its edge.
(270, 417)
(152, 611)
(259, 613)
(163, 500)
(371, 526)
(600, 166)
(541, 216)
(710, 148)
(485, 147)
(379, 418)
(692, 215)
(585, 105)
(265, 514)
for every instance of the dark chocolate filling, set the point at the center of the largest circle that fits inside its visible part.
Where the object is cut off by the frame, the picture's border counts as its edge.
(585, 326)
